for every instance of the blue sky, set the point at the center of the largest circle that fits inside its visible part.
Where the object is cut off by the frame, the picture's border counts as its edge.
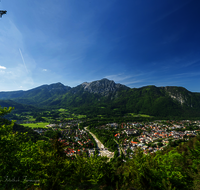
(133, 42)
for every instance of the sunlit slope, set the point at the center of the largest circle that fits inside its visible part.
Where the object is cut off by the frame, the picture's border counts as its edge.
(105, 97)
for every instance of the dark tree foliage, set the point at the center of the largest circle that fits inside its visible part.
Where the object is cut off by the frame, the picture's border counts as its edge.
(34, 136)
(43, 165)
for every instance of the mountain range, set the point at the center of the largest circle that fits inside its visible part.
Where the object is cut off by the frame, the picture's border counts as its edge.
(105, 97)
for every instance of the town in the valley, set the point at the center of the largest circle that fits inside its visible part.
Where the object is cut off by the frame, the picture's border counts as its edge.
(148, 136)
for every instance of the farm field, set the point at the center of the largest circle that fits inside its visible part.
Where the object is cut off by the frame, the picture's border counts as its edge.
(35, 125)
(138, 115)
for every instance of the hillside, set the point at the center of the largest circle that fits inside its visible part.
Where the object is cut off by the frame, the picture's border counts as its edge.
(18, 106)
(159, 101)
(38, 95)
(105, 97)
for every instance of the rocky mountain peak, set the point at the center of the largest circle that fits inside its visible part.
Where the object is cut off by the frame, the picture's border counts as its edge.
(103, 87)
(85, 84)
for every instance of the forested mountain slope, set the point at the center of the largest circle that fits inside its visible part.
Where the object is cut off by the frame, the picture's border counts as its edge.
(18, 106)
(105, 97)
(159, 101)
(37, 95)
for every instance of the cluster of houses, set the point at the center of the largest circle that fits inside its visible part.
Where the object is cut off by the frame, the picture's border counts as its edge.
(150, 137)
(77, 142)
(154, 136)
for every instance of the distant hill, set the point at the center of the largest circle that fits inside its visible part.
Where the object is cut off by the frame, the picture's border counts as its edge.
(105, 97)
(38, 95)
(160, 101)
(18, 106)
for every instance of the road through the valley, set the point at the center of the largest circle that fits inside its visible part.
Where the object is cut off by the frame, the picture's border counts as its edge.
(101, 146)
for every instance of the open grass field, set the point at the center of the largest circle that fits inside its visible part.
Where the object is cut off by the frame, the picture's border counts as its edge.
(61, 110)
(35, 125)
(81, 116)
(138, 115)
(143, 115)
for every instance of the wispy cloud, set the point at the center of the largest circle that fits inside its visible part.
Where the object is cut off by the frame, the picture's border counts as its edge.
(14, 77)
(23, 60)
(175, 63)
(189, 74)
(17, 63)
(129, 80)
(2, 67)
(191, 63)
(44, 70)
(118, 77)
(133, 82)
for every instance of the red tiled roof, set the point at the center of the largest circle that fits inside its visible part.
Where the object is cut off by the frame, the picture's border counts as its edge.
(133, 142)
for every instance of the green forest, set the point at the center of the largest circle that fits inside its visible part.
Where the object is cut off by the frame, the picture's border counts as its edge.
(42, 164)
(149, 100)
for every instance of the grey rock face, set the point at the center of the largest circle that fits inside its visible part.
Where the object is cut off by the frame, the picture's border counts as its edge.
(176, 94)
(103, 87)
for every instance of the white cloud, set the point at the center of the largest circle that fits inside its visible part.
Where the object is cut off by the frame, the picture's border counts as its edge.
(23, 60)
(2, 67)
(44, 70)
(189, 74)
(118, 77)
(189, 63)
(133, 82)
(121, 77)
(19, 71)
(14, 78)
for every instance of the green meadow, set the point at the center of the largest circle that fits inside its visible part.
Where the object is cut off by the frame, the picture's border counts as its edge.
(35, 125)
(143, 115)
(138, 115)
(62, 110)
